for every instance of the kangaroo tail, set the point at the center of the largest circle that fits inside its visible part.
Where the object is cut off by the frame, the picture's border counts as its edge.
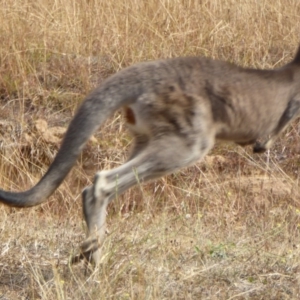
(118, 90)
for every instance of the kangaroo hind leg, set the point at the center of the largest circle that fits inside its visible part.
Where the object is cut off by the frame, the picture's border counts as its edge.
(161, 156)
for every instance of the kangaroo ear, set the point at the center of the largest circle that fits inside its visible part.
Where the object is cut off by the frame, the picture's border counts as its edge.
(296, 59)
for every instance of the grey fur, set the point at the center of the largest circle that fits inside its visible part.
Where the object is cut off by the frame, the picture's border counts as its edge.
(176, 109)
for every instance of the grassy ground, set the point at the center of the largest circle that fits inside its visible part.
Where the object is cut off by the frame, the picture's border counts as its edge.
(226, 228)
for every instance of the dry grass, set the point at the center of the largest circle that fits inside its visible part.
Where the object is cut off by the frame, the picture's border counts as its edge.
(227, 228)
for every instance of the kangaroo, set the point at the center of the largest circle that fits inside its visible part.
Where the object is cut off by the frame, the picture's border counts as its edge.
(175, 109)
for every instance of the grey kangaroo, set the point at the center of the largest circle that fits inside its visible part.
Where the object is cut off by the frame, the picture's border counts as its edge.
(176, 109)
